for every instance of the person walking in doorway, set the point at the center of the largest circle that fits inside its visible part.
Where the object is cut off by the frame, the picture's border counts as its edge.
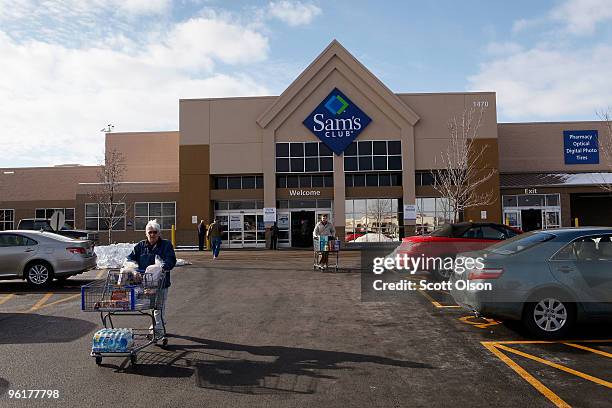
(201, 235)
(214, 235)
(273, 236)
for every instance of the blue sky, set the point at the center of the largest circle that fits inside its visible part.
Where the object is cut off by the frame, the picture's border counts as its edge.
(70, 67)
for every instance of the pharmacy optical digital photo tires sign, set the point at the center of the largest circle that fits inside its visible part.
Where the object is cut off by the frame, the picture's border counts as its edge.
(337, 121)
(581, 146)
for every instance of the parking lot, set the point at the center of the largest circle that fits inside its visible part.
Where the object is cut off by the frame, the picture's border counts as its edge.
(261, 328)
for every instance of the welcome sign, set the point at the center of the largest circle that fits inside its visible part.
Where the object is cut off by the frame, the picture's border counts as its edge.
(337, 121)
(581, 146)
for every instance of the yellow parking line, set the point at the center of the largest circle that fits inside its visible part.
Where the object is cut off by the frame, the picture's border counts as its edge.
(488, 322)
(557, 366)
(41, 302)
(551, 341)
(60, 301)
(592, 350)
(6, 298)
(434, 302)
(544, 390)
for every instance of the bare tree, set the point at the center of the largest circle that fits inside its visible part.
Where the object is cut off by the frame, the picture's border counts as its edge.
(605, 147)
(108, 194)
(459, 179)
(381, 217)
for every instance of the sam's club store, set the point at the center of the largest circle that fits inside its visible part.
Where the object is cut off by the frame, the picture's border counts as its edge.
(339, 142)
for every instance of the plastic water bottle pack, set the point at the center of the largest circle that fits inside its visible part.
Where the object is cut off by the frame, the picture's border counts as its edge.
(113, 340)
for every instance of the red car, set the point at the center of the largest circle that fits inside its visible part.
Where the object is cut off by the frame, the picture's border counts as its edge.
(452, 239)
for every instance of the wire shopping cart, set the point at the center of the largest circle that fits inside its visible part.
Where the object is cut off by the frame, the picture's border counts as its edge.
(324, 246)
(139, 294)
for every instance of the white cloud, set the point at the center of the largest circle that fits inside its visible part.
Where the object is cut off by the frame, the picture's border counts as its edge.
(581, 17)
(503, 48)
(55, 98)
(575, 17)
(142, 6)
(57, 8)
(195, 43)
(548, 84)
(294, 13)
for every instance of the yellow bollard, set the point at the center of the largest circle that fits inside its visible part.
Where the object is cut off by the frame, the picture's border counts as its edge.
(173, 236)
(576, 222)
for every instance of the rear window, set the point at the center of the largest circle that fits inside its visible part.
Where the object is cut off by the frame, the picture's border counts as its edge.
(520, 243)
(445, 231)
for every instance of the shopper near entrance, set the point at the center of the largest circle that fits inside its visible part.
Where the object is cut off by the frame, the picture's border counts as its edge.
(144, 254)
(324, 228)
(214, 235)
(201, 235)
(273, 236)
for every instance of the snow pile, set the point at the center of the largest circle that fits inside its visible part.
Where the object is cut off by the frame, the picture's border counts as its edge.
(584, 178)
(373, 237)
(112, 256)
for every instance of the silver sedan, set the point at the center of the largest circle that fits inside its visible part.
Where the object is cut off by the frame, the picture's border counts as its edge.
(38, 256)
(548, 279)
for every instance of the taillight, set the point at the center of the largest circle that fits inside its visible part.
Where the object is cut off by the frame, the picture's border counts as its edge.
(485, 273)
(76, 250)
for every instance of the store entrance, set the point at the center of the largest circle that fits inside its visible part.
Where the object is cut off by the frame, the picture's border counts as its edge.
(302, 225)
(531, 220)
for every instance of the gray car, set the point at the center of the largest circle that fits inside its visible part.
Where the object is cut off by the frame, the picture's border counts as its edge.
(547, 279)
(39, 256)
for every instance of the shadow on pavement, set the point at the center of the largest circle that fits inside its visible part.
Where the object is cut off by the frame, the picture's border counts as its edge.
(72, 285)
(248, 369)
(4, 386)
(583, 331)
(26, 328)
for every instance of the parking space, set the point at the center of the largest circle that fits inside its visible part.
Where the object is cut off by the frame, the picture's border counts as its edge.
(567, 373)
(572, 372)
(261, 327)
(17, 297)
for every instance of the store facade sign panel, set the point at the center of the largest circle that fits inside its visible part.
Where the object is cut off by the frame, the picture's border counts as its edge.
(581, 146)
(337, 121)
(269, 214)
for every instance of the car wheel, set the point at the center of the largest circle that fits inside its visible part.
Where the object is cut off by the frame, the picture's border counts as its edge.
(548, 317)
(441, 274)
(39, 274)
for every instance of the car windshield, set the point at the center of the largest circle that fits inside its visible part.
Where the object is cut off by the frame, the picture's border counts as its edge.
(519, 243)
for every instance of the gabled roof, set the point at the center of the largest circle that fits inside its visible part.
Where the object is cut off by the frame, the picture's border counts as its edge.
(335, 49)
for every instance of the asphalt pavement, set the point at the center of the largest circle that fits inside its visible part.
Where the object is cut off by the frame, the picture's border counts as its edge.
(262, 328)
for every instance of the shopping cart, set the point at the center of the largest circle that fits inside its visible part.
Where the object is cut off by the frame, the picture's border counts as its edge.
(138, 294)
(325, 246)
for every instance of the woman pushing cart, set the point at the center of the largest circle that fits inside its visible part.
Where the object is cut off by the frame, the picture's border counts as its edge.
(142, 294)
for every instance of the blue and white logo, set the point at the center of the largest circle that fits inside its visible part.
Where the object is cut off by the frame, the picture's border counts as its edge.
(337, 121)
(581, 146)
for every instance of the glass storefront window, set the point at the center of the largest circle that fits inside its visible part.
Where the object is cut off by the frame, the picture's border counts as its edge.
(532, 211)
(432, 213)
(372, 219)
(509, 201)
(303, 157)
(527, 200)
(552, 199)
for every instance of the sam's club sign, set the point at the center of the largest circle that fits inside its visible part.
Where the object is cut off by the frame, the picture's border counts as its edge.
(337, 121)
(581, 146)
